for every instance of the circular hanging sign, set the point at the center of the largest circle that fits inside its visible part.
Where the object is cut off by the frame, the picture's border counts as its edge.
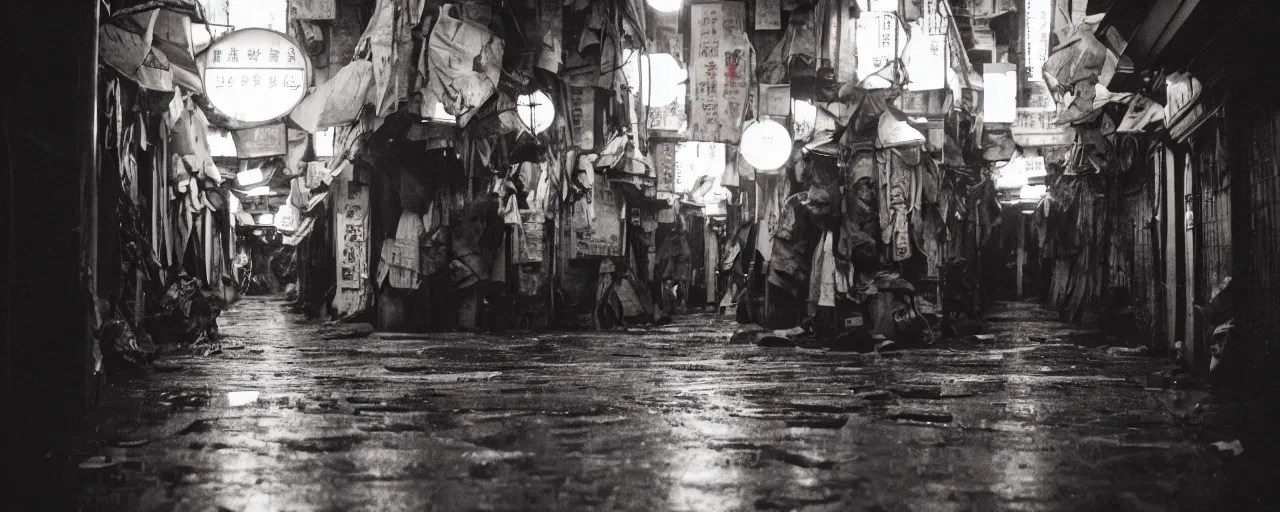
(255, 75)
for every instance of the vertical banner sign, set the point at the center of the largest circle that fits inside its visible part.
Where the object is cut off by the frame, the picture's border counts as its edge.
(928, 50)
(1036, 37)
(720, 73)
(877, 47)
(582, 108)
(664, 158)
(768, 14)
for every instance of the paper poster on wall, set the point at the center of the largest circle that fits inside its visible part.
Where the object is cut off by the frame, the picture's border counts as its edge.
(768, 14)
(532, 225)
(352, 234)
(601, 234)
(720, 71)
(582, 109)
(664, 160)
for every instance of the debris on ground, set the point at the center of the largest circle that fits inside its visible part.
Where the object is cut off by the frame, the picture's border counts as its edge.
(1234, 447)
(1127, 351)
(924, 416)
(796, 459)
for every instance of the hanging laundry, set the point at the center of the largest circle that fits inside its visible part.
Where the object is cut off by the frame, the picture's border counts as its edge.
(337, 101)
(463, 62)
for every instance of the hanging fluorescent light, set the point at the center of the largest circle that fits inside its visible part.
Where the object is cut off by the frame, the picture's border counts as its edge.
(655, 78)
(1033, 192)
(249, 177)
(766, 145)
(536, 111)
(259, 191)
(666, 5)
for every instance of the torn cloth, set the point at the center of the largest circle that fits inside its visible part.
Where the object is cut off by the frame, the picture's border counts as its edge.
(463, 64)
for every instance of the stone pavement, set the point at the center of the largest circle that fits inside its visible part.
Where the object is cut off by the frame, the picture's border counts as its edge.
(669, 418)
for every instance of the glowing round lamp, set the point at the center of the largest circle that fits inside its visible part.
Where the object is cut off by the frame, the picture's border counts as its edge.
(536, 111)
(655, 78)
(666, 5)
(766, 145)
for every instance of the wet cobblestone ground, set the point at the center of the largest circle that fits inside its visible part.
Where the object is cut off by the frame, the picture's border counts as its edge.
(668, 418)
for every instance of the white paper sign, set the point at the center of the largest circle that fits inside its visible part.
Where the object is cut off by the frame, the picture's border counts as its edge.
(879, 40)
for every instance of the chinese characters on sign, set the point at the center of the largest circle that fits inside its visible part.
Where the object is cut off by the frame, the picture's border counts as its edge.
(255, 75)
(1036, 37)
(720, 71)
(583, 112)
(878, 44)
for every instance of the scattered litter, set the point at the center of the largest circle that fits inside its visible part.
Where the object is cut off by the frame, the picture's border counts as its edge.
(918, 391)
(832, 422)
(167, 367)
(1127, 351)
(797, 459)
(198, 427)
(877, 396)
(1234, 447)
(405, 368)
(97, 462)
(925, 416)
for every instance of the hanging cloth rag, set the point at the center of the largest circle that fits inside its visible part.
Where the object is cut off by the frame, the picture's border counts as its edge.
(463, 62)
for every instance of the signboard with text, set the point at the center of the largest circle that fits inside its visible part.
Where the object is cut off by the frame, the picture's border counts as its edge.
(721, 70)
(255, 75)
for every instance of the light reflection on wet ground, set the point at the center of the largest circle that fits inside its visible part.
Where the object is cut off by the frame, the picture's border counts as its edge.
(672, 418)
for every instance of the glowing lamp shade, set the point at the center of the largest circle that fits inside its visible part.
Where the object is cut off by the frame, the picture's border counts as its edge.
(766, 145)
(536, 111)
(266, 219)
(1033, 192)
(666, 5)
(655, 78)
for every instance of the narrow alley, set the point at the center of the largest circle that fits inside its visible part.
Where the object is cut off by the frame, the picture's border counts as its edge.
(301, 416)
(689, 255)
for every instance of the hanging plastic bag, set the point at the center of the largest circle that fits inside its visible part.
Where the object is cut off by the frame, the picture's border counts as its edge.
(463, 62)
